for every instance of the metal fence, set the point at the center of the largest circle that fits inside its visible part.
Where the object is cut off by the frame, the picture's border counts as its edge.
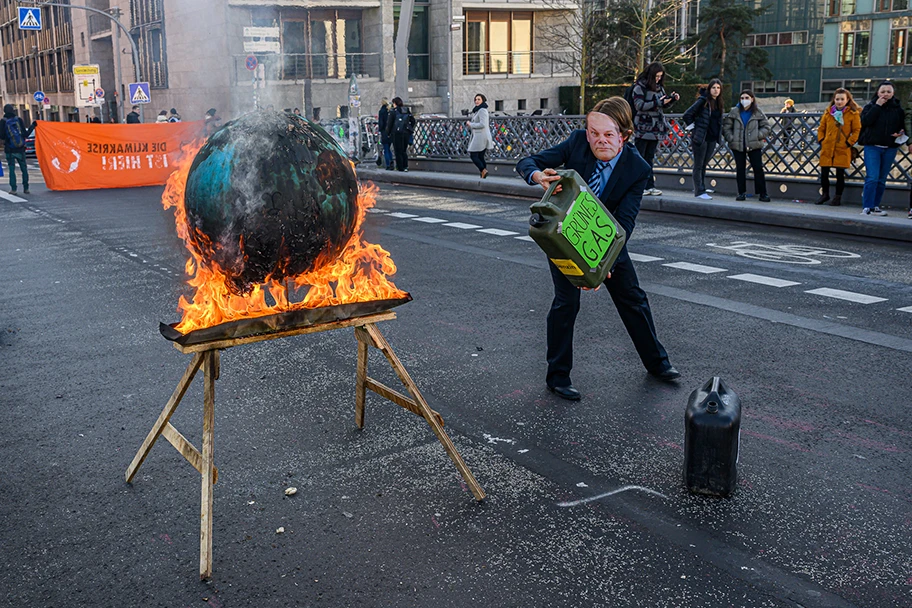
(791, 150)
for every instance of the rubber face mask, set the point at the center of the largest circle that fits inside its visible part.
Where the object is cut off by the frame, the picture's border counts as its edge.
(745, 103)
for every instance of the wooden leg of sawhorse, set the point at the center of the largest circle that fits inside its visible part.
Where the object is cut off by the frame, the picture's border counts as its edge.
(210, 374)
(369, 334)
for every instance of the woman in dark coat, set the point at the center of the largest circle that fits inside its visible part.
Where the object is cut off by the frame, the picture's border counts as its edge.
(649, 124)
(882, 121)
(385, 141)
(400, 124)
(706, 117)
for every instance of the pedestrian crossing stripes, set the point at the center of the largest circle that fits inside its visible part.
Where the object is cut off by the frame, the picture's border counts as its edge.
(639, 257)
(762, 280)
(498, 232)
(462, 226)
(428, 220)
(849, 296)
(402, 215)
(905, 309)
(695, 267)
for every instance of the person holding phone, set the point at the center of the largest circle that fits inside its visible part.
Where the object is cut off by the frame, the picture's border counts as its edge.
(650, 127)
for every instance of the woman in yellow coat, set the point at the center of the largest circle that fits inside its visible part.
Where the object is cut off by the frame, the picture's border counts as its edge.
(838, 132)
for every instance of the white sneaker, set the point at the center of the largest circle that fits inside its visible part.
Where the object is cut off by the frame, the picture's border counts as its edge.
(647, 192)
(656, 192)
(878, 211)
(705, 197)
(866, 211)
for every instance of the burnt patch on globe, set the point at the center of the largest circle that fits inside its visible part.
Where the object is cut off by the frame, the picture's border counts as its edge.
(270, 196)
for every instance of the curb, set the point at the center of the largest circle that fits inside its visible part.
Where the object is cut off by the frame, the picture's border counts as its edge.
(747, 212)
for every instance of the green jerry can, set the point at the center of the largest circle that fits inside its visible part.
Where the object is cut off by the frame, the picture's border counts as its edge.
(576, 231)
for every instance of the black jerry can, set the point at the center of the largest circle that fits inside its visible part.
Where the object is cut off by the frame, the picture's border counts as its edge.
(712, 439)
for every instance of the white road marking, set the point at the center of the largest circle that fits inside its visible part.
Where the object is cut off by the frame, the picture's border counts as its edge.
(582, 501)
(11, 197)
(375, 210)
(762, 280)
(498, 232)
(493, 440)
(695, 267)
(525, 238)
(906, 309)
(849, 296)
(402, 215)
(428, 220)
(639, 257)
(462, 226)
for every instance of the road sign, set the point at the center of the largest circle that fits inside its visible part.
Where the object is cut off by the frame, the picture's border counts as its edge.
(29, 18)
(47, 101)
(251, 62)
(87, 79)
(261, 32)
(39, 96)
(139, 93)
(99, 93)
(261, 46)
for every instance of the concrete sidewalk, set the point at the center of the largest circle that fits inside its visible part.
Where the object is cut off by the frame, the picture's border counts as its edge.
(846, 219)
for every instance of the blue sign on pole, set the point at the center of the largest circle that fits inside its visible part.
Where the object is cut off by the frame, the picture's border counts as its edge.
(29, 18)
(39, 96)
(139, 93)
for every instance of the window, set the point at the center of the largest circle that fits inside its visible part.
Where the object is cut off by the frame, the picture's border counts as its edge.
(899, 41)
(322, 44)
(891, 5)
(498, 42)
(854, 43)
(760, 87)
(521, 104)
(543, 103)
(148, 30)
(498, 105)
(780, 39)
(419, 46)
(841, 7)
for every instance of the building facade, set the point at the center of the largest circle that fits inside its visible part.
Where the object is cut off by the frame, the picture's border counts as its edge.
(195, 55)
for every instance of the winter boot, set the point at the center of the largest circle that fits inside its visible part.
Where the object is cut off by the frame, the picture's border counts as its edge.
(837, 200)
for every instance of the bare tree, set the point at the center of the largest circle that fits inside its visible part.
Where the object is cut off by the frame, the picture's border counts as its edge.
(644, 31)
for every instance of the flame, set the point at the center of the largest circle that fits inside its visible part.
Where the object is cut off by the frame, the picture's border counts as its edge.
(358, 274)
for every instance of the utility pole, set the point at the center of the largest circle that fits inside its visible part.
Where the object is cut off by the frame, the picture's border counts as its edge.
(115, 12)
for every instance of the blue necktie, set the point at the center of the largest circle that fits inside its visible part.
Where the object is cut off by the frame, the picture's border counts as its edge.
(595, 181)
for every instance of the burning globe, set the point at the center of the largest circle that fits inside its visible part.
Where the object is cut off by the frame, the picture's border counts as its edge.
(270, 208)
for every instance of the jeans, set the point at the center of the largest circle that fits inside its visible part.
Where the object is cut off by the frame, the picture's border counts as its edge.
(479, 159)
(756, 161)
(387, 152)
(17, 157)
(702, 153)
(647, 149)
(878, 162)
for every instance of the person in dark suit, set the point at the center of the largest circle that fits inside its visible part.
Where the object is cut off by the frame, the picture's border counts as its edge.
(615, 171)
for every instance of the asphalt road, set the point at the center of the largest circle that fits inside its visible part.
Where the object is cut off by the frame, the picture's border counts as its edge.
(585, 505)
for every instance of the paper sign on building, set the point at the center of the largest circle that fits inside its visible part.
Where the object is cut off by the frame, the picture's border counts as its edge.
(87, 79)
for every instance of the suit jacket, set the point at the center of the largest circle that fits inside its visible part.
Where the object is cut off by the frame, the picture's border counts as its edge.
(623, 192)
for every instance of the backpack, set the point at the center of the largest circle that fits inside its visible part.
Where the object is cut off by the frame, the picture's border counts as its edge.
(14, 133)
(628, 96)
(401, 124)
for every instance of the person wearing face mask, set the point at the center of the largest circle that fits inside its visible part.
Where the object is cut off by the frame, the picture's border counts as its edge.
(745, 129)
(650, 126)
(838, 132)
(882, 122)
(706, 117)
(617, 174)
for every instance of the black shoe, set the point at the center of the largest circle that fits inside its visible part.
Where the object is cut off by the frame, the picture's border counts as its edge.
(764, 198)
(823, 198)
(26, 191)
(741, 197)
(667, 374)
(565, 392)
(837, 201)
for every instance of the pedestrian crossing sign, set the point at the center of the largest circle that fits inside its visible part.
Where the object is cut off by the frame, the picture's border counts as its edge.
(29, 18)
(139, 93)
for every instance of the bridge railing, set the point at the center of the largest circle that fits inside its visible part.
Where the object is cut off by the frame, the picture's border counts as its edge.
(791, 151)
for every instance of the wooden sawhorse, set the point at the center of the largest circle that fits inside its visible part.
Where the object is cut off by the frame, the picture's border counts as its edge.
(206, 355)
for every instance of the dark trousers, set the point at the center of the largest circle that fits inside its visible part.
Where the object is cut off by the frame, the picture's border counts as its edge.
(632, 306)
(647, 149)
(13, 159)
(400, 147)
(387, 152)
(825, 180)
(756, 161)
(479, 159)
(702, 153)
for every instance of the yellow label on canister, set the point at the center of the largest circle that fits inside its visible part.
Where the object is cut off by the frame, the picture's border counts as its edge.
(568, 267)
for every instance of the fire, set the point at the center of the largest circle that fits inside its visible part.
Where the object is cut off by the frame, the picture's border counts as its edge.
(359, 274)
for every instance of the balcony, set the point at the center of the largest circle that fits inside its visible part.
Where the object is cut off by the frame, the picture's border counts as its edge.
(315, 66)
(519, 64)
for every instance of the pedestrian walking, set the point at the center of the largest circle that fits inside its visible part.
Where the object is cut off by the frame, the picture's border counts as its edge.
(14, 136)
(385, 140)
(745, 129)
(400, 125)
(133, 116)
(482, 140)
(839, 128)
(162, 116)
(704, 118)
(174, 116)
(882, 129)
(618, 176)
(650, 126)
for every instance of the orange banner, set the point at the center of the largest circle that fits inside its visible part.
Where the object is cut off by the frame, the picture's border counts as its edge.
(87, 156)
